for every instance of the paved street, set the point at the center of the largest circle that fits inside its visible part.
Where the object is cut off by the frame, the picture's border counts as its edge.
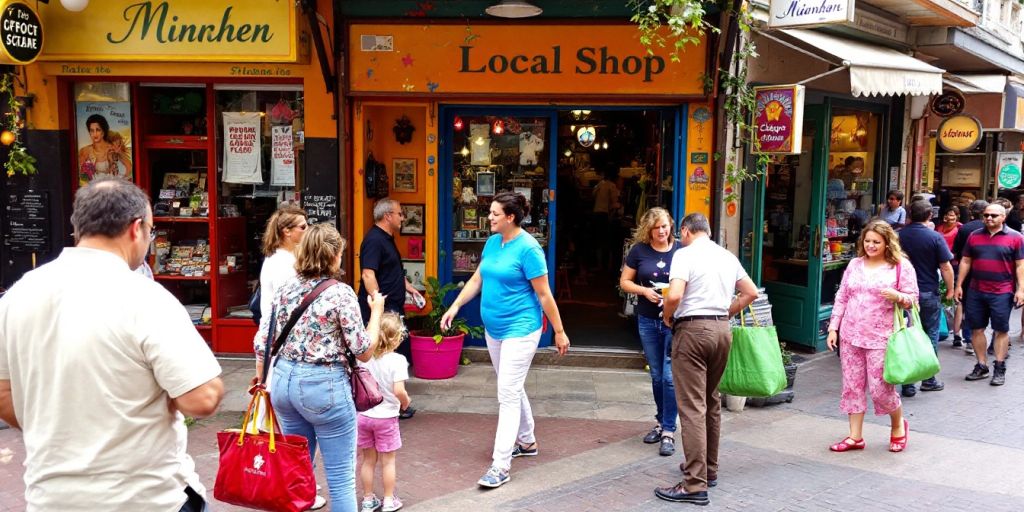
(964, 451)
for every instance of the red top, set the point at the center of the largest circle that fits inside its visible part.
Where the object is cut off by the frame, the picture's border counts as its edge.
(948, 233)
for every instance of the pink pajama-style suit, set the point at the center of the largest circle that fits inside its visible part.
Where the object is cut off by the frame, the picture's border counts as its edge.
(864, 320)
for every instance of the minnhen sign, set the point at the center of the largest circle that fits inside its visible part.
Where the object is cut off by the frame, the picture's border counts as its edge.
(798, 13)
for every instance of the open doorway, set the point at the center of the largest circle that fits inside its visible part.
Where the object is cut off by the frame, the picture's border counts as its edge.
(612, 166)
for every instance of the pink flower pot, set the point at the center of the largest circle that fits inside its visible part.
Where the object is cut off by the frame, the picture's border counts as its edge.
(432, 360)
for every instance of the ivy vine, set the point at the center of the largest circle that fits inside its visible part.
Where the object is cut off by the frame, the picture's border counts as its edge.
(685, 23)
(19, 161)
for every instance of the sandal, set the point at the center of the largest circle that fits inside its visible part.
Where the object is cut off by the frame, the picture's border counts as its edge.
(848, 444)
(898, 444)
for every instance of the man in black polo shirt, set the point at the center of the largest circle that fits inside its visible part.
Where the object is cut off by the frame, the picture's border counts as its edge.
(976, 208)
(380, 266)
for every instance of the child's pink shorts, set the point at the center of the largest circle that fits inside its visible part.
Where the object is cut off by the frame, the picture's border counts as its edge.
(381, 434)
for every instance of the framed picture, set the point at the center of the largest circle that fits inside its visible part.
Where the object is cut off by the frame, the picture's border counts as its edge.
(485, 183)
(415, 246)
(404, 171)
(469, 219)
(413, 222)
(415, 271)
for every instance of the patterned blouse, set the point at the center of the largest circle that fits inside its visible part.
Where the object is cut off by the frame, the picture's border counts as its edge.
(320, 334)
(860, 313)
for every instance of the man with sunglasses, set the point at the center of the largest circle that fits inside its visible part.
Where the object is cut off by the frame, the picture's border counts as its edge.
(996, 256)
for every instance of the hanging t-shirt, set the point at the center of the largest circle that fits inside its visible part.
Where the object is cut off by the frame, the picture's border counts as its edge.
(651, 267)
(508, 305)
(529, 146)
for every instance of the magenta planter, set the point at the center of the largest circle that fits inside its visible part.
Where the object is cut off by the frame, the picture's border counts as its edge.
(435, 360)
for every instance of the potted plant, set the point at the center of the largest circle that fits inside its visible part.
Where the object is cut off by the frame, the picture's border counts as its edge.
(789, 365)
(436, 351)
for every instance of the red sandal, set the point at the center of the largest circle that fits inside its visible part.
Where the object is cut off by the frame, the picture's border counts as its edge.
(848, 444)
(898, 444)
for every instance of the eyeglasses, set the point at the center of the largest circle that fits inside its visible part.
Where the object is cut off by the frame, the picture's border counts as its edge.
(400, 214)
(151, 227)
(991, 215)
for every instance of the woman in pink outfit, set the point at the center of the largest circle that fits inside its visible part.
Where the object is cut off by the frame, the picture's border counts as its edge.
(874, 283)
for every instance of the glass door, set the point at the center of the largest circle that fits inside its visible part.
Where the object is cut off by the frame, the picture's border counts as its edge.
(792, 243)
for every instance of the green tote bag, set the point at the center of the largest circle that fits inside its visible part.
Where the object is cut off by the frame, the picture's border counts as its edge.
(909, 357)
(754, 368)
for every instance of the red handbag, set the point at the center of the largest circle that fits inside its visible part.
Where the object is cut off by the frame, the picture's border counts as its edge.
(265, 471)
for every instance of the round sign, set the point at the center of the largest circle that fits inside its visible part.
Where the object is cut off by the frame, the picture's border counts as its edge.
(1009, 176)
(959, 133)
(949, 103)
(21, 33)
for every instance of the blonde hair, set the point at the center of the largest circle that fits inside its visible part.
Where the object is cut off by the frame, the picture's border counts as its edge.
(316, 254)
(392, 332)
(648, 221)
(287, 216)
(893, 251)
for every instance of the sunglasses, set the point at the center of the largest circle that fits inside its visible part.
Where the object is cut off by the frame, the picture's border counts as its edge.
(991, 215)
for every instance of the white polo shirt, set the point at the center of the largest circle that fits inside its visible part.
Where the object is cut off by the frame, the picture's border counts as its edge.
(94, 353)
(711, 273)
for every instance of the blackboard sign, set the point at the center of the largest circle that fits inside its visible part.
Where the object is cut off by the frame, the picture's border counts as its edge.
(321, 208)
(27, 219)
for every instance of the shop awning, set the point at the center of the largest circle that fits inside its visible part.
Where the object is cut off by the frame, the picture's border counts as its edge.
(977, 84)
(874, 70)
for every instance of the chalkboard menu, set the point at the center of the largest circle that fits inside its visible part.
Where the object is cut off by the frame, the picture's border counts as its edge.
(27, 220)
(321, 208)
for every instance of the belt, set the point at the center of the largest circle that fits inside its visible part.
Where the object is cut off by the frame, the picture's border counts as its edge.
(690, 318)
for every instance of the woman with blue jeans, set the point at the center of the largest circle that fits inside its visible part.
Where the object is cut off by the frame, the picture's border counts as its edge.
(310, 390)
(513, 282)
(646, 266)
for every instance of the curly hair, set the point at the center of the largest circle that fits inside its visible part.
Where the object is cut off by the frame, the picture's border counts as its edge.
(648, 221)
(392, 332)
(893, 251)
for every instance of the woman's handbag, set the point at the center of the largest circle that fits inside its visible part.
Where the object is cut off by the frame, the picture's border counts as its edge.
(365, 392)
(754, 368)
(266, 471)
(909, 357)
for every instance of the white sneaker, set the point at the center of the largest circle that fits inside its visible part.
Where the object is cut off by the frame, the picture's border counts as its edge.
(318, 503)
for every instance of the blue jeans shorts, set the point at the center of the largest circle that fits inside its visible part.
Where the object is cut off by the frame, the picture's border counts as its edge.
(981, 307)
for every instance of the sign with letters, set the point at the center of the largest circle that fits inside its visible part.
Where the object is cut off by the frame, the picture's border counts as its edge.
(959, 133)
(799, 13)
(21, 34)
(778, 119)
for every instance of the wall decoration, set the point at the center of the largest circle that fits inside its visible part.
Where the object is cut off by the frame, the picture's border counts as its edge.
(243, 155)
(469, 218)
(415, 246)
(104, 139)
(404, 170)
(414, 218)
(415, 272)
(485, 183)
(403, 130)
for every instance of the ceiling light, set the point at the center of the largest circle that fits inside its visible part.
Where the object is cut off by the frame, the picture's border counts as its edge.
(75, 5)
(464, 151)
(499, 127)
(458, 124)
(514, 9)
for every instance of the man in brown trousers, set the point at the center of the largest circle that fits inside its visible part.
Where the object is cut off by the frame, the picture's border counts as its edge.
(707, 286)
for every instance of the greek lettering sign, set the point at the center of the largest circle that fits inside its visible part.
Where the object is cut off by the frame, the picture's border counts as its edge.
(797, 13)
(1009, 165)
(21, 34)
(959, 133)
(778, 119)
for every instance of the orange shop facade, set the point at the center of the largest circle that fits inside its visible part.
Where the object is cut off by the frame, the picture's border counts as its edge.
(445, 116)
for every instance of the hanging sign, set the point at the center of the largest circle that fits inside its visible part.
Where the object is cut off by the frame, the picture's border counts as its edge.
(21, 34)
(959, 133)
(282, 164)
(778, 119)
(798, 13)
(1009, 165)
(242, 152)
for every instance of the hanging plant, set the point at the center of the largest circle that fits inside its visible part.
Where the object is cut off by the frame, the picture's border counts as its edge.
(19, 161)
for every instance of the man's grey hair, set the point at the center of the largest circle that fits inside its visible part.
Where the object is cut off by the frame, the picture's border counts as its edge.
(978, 207)
(107, 207)
(382, 208)
(696, 222)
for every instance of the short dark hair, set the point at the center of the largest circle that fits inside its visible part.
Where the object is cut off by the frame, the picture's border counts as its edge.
(100, 120)
(107, 207)
(898, 194)
(514, 204)
(920, 211)
(696, 222)
(978, 207)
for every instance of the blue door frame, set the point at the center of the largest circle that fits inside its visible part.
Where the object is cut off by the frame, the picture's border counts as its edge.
(447, 114)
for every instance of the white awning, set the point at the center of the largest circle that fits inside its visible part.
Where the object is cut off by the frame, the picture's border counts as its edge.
(977, 84)
(875, 70)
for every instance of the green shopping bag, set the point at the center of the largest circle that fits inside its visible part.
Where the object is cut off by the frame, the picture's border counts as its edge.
(755, 366)
(909, 357)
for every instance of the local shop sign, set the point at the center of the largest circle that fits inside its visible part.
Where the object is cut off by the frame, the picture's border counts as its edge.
(21, 34)
(778, 118)
(1009, 169)
(798, 13)
(959, 133)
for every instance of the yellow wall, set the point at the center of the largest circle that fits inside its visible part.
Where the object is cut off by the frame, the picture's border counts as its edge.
(699, 139)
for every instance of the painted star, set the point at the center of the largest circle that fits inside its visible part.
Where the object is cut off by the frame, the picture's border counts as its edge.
(407, 60)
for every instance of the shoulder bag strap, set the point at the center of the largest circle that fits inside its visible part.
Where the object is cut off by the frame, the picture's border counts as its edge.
(310, 297)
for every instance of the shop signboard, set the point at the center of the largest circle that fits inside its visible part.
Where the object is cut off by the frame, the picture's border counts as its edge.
(21, 34)
(778, 119)
(27, 222)
(800, 13)
(173, 30)
(959, 133)
(1009, 165)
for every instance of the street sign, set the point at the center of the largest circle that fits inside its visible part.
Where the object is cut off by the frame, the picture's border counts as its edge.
(1009, 165)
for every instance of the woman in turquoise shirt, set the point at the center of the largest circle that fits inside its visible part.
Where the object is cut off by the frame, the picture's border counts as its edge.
(513, 282)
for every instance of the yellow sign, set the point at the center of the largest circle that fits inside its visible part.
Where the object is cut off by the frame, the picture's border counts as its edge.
(517, 60)
(959, 133)
(173, 30)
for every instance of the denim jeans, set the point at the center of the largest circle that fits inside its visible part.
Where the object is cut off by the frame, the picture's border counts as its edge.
(511, 358)
(315, 401)
(931, 308)
(656, 338)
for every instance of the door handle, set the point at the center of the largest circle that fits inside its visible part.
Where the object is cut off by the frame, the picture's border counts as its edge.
(817, 241)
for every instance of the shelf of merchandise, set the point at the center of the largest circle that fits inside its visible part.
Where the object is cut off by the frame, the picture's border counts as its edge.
(175, 277)
(201, 220)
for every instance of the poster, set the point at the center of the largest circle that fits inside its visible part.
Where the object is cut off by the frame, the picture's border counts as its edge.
(104, 134)
(282, 154)
(778, 119)
(1008, 165)
(242, 153)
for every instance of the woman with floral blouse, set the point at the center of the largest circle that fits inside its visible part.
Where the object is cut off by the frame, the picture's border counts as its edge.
(862, 321)
(310, 389)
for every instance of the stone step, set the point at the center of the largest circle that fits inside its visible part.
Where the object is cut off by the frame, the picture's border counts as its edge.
(584, 357)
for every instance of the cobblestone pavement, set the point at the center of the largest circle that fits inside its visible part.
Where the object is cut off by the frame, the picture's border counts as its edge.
(964, 453)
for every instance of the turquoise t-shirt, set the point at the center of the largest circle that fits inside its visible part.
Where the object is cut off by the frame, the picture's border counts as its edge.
(508, 305)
